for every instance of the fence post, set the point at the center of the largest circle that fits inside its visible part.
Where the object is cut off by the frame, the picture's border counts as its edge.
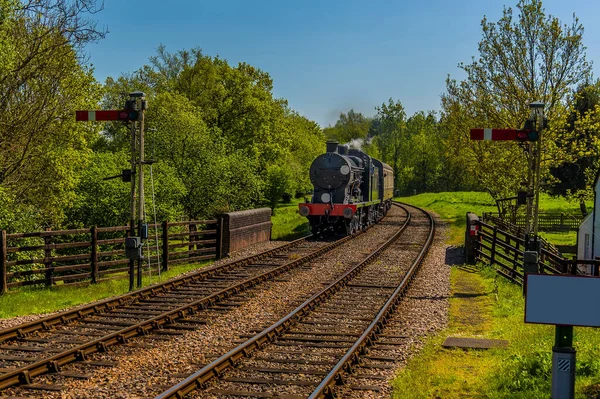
(516, 258)
(94, 255)
(192, 228)
(218, 245)
(3, 253)
(48, 263)
(493, 251)
(165, 245)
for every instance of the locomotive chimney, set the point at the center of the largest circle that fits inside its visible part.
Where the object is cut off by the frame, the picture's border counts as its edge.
(332, 146)
(342, 149)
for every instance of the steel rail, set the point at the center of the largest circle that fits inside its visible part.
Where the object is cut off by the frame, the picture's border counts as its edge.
(46, 323)
(216, 368)
(79, 353)
(335, 377)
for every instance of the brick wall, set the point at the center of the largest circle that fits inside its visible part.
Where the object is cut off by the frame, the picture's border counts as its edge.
(244, 228)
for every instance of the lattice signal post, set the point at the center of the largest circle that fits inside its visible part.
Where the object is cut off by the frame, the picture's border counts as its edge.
(133, 113)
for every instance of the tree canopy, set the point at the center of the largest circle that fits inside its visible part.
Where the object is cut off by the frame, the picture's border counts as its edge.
(523, 58)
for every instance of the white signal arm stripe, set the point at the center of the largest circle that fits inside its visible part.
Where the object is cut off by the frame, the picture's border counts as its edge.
(92, 116)
(487, 134)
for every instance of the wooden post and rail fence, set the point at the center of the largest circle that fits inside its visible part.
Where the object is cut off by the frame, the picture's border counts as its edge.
(95, 254)
(546, 221)
(503, 250)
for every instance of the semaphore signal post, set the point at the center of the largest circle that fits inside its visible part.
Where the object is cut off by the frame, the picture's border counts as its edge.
(548, 299)
(133, 112)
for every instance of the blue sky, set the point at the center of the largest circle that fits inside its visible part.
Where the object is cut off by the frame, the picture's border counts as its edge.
(324, 56)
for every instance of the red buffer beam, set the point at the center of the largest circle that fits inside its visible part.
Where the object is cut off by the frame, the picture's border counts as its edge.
(108, 115)
(494, 134)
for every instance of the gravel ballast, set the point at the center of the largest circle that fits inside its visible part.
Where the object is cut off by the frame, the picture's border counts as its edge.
(150, 370)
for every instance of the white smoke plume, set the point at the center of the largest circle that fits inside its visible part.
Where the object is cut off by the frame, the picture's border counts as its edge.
(356, 144)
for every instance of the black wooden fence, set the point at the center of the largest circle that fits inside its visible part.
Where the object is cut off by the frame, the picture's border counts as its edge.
(517, 230)
(91, 255)
(503, 250)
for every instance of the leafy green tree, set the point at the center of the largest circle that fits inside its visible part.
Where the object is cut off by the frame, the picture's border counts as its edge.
(307, 142)
(350, 126)
(528, 58)
(100, 202)
(42, 83)
(392, 139)
(426, 151)
(278, 182)
(575, 177)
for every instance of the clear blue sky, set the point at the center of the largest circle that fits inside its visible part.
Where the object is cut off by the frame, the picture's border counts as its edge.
(324, 56)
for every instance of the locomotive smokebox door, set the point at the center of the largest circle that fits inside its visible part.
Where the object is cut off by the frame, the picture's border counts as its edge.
(133, 248)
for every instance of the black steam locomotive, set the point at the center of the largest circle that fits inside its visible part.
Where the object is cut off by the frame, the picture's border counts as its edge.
(351, 191)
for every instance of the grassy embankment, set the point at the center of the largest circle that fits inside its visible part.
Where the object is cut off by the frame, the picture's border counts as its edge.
(452, 208)
(287, 224)
(494, 310)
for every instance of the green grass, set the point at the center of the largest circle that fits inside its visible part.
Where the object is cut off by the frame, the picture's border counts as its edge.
(562, 238)
(287, 222)
(453, 206)
(27, 300)
(523, 370)
(287, 225)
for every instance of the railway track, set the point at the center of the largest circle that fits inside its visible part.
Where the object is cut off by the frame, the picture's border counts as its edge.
(46, 345)
(309, 352)
(150, 315)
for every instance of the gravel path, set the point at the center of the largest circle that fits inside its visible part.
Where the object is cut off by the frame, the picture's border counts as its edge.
(144, 372)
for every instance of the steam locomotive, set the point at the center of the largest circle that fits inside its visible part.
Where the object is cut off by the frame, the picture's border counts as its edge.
(351, 191)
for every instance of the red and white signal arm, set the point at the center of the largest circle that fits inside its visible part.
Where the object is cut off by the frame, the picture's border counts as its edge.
(107, 115)
(494, 134)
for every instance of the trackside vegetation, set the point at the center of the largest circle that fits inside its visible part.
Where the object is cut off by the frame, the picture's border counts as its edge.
(26, 300)
(523, 370)
(452, 208)
(494, 309)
